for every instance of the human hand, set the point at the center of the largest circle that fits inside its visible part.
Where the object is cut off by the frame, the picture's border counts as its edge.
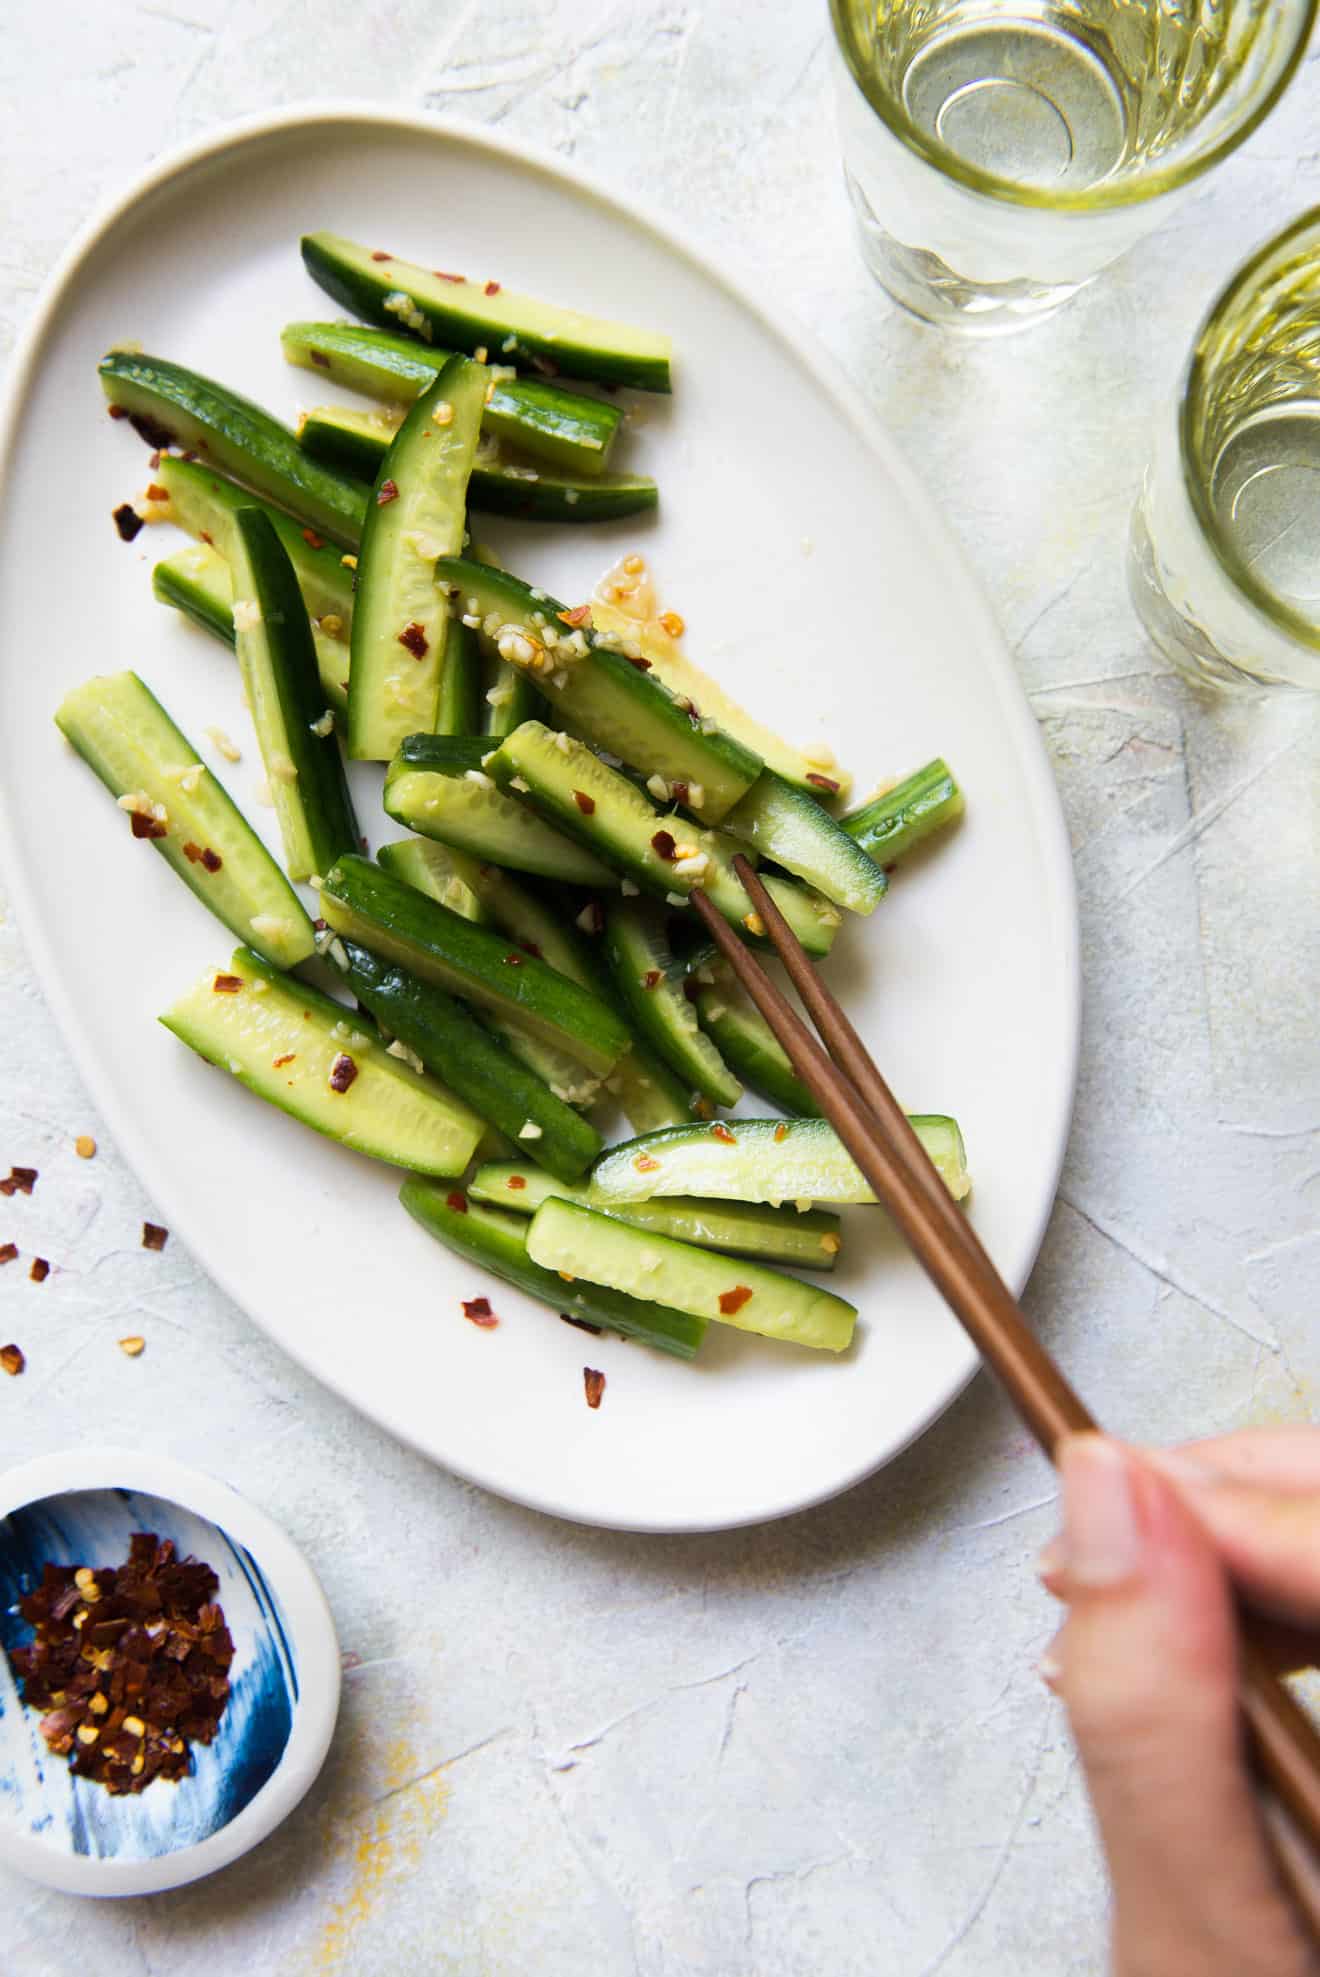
(1152, 1547)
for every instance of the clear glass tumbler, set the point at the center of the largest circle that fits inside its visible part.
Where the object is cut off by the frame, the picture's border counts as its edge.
(1000, 153)
(1224, 556)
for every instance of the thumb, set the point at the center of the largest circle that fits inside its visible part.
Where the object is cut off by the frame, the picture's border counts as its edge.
(1147, 1666)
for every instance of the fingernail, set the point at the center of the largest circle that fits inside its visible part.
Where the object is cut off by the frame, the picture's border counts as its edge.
(1050, 1670)
(1053, 1559)
(1100, 1526)
(1182, 1467)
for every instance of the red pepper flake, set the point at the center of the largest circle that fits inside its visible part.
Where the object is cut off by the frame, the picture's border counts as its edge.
(644, 1163)
(579, 615)
(154, 461)
(456, 1201)
(192, 852)
(312, 539)
(319, 357)
(156, 492)
(734, 1300)
(13, 1360)
(679, 792)
(663, 844)
(413, 638)
(143, 826)
(781, 1131)
(387, 491)
(206, 536)
(492, 288)
(127, 520)
(321, 926)
(155, 434)
(378, 256)
(40, 1270)
(514, 1181)
(478, 1311)
(9, 1186)
(227, 985)
(719, 1131)
(823, 782)
(583, 1324)
(24, 1178)
(442, 275)
(594, 1383)
(636, 659)
(116, 411)
(153, 1236)
(586, 804)
(513, 960)
(651, 979)
(286, 1057)
(211, 860)
(342, 1072)
(9, 1250)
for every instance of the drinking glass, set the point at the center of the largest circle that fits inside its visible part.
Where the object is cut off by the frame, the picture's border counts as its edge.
(1224, 554)
(1000, 153)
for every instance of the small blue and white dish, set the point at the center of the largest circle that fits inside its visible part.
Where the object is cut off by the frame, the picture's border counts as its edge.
(80, 1508)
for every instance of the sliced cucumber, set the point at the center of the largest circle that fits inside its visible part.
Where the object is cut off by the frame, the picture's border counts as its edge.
(123, 733)
(541, 419)
(315, 1059)
(295, 729)
(499, 1244)
(650, 1095)
(641, 1263)
(449, 876)
(772, 1160)
(509, 699)
(355, 442)
(381, 912)
(600, 693)
(415, 514)
(469, 315)
(437, 786)
(458, 710)
(170, 405)
(568, 785)
(203, 503)
(810, 1241)
(651, 990)
(454, 1045)
(792, 830)
(750, 1047)
(197, 582)
(813, 771)
(890, 826)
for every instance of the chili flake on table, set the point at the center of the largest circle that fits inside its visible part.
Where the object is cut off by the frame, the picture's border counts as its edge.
(130, 1663)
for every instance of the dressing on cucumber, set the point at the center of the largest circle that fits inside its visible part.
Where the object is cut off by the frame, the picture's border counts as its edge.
(584, 1243)
(437, 785)
(124, 734)
(315, 1059)
(470, 315)
(772, 1160)
(809, 1241)
(498, 1243)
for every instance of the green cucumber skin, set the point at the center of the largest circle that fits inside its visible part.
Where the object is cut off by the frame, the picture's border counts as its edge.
(568, 1237)
(417, 794)
(458, 710)
(791, 829)
(196, 583)
(542, 419)
(278, 663)
(419, 494)
(355, 443)
(531, 754)
(890, 826)
(662, 1015)
(498, 1243)
(600, 693)
(116, 719)
(387, 1111)
(770, 1235)
(649, 1093)
(768, 1160)
(517, 699)
(465, 1056)
(204, 504)
(378, 910)
(168, 404)
(462, 314)
(751, 1049)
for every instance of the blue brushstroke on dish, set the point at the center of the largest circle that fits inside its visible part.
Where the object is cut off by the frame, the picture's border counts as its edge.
(37, 1790)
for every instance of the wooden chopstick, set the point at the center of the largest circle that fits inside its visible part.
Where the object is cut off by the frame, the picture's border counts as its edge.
(854, 1097)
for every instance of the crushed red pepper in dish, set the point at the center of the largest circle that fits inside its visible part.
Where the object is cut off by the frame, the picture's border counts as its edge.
(12, 1360)
(734, 1300)
(594, 1383)
(40, 1270)
(9, 1250)
(478, 1311)
(153, 1236)
(129, 1664)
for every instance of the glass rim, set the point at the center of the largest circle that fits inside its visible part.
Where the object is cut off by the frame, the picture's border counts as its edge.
(1095, 199)
(1271, 606)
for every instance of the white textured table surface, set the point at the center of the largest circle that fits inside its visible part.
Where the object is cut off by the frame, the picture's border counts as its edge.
(819, 1746)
